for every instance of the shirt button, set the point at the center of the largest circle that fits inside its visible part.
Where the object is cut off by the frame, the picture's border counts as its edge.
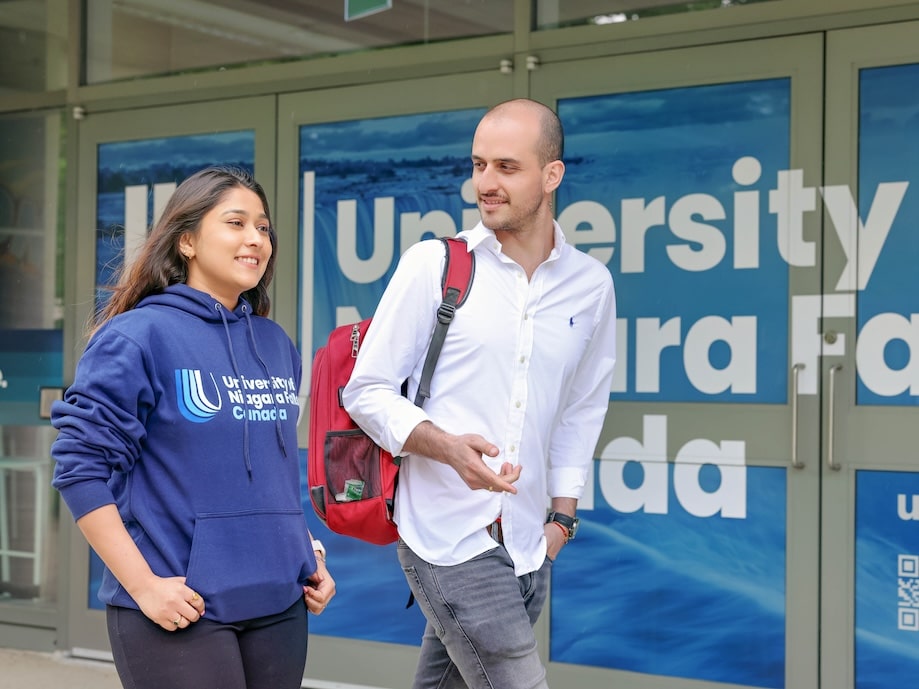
(522, 359)
(517, 404)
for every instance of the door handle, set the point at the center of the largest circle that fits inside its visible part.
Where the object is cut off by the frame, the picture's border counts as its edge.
(831, 419)
(795, 372)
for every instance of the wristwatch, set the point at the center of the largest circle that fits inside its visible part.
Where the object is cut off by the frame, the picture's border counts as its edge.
(570, 523)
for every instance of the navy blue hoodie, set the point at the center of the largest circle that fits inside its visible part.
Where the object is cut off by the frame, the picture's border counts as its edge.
(184, 414)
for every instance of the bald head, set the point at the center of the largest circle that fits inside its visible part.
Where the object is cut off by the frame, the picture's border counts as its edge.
(550, 145)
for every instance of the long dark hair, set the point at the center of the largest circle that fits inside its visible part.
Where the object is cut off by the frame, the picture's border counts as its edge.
(160, 263)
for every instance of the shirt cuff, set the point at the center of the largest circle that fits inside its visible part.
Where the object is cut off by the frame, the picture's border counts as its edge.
(400, 428)
(567, 482)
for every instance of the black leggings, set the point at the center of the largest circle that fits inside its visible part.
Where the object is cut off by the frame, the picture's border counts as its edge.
(264, 653)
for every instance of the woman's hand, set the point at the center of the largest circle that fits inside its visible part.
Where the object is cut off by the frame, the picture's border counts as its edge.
(320, 590)
(169, 602)
(165, 600)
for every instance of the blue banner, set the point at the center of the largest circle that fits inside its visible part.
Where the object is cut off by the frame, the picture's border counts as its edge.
(672, 593)
(671, 190)
(887, 252)
(886, 579)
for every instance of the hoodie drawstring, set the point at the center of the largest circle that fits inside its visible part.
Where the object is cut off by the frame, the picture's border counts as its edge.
(258, 356)
(226, 327)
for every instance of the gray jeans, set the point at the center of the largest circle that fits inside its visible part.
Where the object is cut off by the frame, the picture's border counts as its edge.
(480, 617)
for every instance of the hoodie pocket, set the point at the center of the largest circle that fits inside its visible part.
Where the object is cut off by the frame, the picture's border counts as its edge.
(249, 564)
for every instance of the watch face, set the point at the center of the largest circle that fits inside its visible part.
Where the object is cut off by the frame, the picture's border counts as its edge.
(573, 529)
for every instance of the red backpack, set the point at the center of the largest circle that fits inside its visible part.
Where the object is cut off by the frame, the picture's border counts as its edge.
(351, 479)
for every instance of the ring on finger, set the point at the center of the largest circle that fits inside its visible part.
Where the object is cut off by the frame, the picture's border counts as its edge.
(195, 596)
(177, 620)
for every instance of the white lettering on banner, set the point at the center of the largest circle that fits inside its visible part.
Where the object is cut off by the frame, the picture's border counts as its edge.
(135, 213)
(869, 354)
(413, 227)
(355, 268)
(739, 376)
(700, 230)
(711, 243)
(650, 452)
(862, 243)
(905, 513)
(807, 342)
(590, 223)
(790, 200)
(746, 171)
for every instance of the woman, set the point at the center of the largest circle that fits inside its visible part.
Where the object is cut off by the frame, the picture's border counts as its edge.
(177, 454)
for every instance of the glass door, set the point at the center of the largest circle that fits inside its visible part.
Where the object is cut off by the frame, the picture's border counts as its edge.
(366, 172)
(31, 363)
(693, 175)
(870, 506)
(130, 163)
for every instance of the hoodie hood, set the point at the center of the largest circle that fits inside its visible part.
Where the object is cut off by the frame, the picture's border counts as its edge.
(196, 303)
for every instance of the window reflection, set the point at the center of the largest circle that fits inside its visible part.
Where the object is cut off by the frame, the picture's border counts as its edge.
(33, 46)
(551, 14)
(132, 38)
(31, 350)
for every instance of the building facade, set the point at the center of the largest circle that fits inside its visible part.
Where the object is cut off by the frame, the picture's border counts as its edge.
(748, 171)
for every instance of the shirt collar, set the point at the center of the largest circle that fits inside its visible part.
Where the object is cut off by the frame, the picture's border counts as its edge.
(479, 234)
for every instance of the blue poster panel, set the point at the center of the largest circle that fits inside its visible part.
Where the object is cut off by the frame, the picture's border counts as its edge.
(886, 248)
(886, 579)
(683, 193)
(676, 191)
(671, 591)
(134, 181)
(370, 189)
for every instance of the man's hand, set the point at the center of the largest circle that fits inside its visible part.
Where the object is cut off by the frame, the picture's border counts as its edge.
(465, 454)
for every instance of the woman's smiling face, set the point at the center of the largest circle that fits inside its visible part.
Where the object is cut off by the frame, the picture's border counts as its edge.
(229, 252)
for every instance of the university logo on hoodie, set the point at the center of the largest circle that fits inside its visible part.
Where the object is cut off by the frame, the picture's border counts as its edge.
(193, 401)
(253, 399)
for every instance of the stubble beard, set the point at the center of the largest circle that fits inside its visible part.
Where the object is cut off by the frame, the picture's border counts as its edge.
(514, 221)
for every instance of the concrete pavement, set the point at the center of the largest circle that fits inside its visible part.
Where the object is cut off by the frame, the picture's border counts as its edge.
(32, 670)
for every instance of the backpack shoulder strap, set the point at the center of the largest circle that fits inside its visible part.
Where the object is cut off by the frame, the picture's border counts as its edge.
(459, 266)
(459, 269)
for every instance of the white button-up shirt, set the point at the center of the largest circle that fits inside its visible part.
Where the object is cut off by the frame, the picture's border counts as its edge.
(527, 364)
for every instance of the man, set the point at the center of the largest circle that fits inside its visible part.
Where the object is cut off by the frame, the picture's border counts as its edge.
(517, 402)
